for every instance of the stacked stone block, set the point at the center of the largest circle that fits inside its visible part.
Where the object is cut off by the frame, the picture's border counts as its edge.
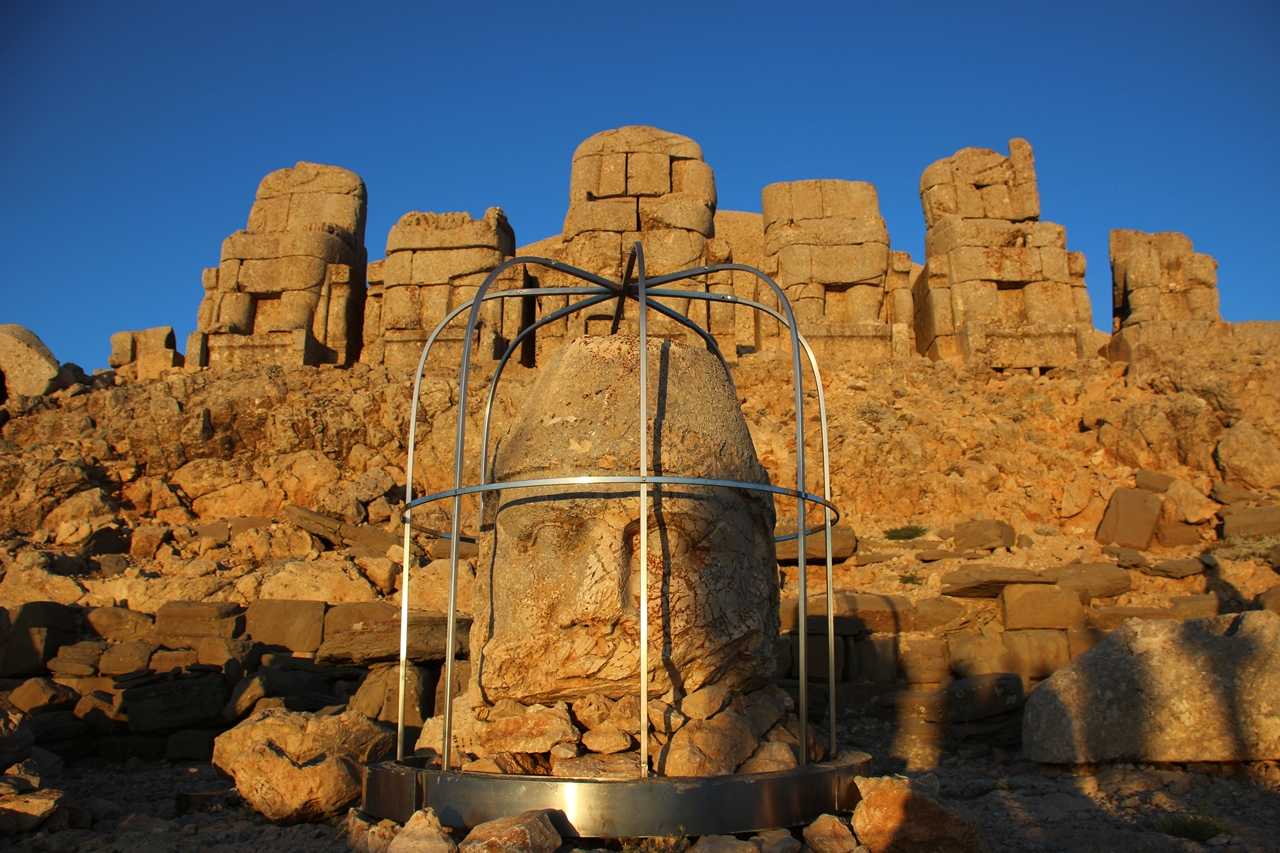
(435, 262)
(639, 184)
(999, 285)
(146, 354)
(290, 288)
(828, 248)
(1160, 277)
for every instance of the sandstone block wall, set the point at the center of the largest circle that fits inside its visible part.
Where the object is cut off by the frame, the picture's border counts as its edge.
(638, 184)
(146, 354)
(434, 263)
(1160, 277)
(827, 246)
(290, 288)
(999, 286)
(1163, 293)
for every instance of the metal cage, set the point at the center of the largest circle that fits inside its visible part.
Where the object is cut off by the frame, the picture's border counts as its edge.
(649, 805)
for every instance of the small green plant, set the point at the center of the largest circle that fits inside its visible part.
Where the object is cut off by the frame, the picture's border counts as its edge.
(911, 531)
(1192, 827)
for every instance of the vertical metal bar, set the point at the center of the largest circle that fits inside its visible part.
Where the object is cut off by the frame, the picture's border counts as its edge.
(826, 517)
(644, 513)
(404, 582)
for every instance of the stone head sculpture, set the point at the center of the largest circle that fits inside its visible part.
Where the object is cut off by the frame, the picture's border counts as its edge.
(557, 600)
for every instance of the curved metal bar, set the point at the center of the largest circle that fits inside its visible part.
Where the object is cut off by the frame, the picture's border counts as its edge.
(572, 309)
(631, 479)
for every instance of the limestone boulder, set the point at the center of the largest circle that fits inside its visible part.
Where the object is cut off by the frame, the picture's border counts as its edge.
(897, 816)
(364, 835)
(1249, 457)
(985, 534)
(713, 747)
(830, 834)
(285, 789)
(1157, 690)
(27, 365)
(16, 737)
(538, 730)
(294, 767)
(304, 736)
(557, 586)
(527, 832)
(329, 581)
(423, 834)
(1184, 503)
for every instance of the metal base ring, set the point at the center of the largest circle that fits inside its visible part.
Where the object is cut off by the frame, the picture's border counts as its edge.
(596, 808)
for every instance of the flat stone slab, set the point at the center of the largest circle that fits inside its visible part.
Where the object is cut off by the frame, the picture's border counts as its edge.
(380, 642)
(986, 581)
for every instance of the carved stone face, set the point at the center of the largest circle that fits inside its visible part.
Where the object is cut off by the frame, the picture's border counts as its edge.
(558, 589)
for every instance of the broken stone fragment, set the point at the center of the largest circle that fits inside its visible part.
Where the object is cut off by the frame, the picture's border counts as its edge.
(896, 815)
(26, 364)
(423, 834)
(713, 747)
(527, 832)
(538, 730)
(606, 739)
(830, 834)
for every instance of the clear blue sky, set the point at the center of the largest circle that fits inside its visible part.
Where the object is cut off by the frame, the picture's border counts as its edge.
(135, 134)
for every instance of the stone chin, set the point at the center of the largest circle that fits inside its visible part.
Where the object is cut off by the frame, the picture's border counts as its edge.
(558, 587)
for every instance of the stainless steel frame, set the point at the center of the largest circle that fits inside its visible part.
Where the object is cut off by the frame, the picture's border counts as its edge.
(645, 292)
(632, 808)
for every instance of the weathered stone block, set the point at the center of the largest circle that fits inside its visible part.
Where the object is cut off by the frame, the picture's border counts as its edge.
(1043, 651)
(198, 619)
(1164, 686)
(676, 211)
(275, 275)
(1130, 520)
(294, 625)
(1252, 523)
(648, 174)
(603, 215)
(970, 263)
(1040, 606)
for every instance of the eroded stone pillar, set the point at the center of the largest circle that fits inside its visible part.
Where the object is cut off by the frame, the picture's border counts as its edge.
(290, 288)
(828, 248)
(435, 262)
(999, 285)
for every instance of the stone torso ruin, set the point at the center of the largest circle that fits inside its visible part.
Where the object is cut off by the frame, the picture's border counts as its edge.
(996, 286)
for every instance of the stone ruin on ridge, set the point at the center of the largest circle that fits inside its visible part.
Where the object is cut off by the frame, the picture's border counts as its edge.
(1162, 290)
(435, 262)
(997, 285)
(290, 288)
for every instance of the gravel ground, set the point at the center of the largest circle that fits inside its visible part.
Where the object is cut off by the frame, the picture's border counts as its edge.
(1023, 806)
